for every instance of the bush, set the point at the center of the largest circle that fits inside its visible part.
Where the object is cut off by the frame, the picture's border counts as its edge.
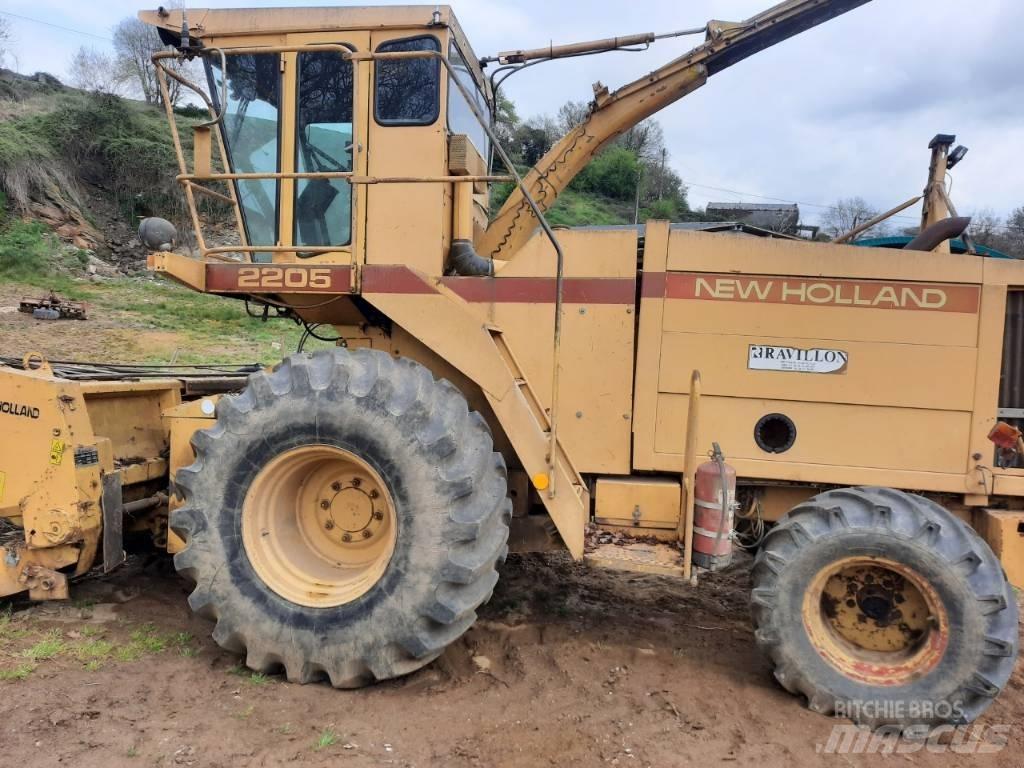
(613, 173)
(663, 210)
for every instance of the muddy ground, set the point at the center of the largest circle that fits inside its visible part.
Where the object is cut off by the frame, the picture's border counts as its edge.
(566, 666)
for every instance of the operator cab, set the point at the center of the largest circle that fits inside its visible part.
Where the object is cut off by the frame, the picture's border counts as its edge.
(310, 116)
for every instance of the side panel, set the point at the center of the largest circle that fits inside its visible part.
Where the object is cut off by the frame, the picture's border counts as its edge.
(597, 346)
(877, 357)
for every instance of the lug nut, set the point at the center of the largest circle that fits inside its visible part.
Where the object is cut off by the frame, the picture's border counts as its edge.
(325, 504)
(378, 515)
(329, 525)
(346, 537)
(374, 494)
(356, 482)
(335, 486)
(367, 533)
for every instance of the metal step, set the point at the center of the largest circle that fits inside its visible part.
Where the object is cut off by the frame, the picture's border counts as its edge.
(638, 557)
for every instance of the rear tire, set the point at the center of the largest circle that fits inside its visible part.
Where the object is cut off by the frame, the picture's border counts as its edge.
(883, 607)
(432, 459)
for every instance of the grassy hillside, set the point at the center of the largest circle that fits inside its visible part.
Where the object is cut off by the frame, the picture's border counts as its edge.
(131, 319)
(77, 171)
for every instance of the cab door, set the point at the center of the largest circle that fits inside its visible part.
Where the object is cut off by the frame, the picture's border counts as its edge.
(408, 223)
(325, 99)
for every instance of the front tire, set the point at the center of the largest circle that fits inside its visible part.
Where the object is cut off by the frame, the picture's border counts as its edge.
(884, 607)
(344, 518)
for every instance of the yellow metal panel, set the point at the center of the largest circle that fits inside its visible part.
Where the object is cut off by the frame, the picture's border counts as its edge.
(638, 502)
(913, 376)
(776, 501)
(828, 435)
(711, 252)
(648, 355)
(986, 388)
(588, 253)
(1004, 532)
(830, 322)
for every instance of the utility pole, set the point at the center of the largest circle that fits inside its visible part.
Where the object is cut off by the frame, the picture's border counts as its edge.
(661, 179)
(639, 181)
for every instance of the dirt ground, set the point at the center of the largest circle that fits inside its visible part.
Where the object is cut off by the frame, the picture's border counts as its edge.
(567, 666)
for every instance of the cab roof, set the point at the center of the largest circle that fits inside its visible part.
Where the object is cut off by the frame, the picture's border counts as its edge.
(220, 23)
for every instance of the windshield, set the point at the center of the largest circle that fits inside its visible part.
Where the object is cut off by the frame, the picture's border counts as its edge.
(250, 129)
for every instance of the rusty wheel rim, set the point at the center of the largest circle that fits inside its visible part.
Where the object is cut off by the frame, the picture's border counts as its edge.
(319, 526)
(876, 621)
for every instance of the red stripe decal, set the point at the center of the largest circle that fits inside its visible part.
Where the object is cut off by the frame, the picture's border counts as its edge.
(541, 290)
(394, 279)
(652, 285)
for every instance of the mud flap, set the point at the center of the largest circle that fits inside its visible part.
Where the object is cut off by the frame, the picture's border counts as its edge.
(113, 522)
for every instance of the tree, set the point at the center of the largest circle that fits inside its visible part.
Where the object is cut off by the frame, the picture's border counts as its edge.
(135, 42)
(646, 140)
(613, 173)
(94, 70)
(6, 37)
(529, 143)
(848, 213)
(505, 119)
(570, 115)
(1015, 233)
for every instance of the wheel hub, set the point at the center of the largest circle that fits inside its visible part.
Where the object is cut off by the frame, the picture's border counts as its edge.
(875, 620)
(319, 526)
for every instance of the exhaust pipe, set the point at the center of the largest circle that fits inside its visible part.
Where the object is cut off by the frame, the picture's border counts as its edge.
(939, 232)
(464, 261)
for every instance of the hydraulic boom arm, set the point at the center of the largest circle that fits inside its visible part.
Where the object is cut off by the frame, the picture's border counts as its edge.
(612, 114)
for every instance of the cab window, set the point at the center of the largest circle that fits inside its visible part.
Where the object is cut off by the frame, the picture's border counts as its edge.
(408, 92)
(460, 114)
(323, 143)
(250, 130)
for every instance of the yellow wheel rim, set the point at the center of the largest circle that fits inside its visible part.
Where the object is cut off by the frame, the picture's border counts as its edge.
(876, 621)
(319, 526)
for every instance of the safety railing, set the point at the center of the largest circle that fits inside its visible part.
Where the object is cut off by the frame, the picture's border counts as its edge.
(189, 181)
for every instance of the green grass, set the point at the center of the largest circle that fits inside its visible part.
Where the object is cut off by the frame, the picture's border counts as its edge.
(19, 672)
(576, 209)
(51, 646)
(56, 134)
(327, 738)
(142, 642)
(93, 653)
(253, 678)
(30, 253)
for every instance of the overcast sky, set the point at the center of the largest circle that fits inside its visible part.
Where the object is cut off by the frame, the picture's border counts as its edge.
(845, 109)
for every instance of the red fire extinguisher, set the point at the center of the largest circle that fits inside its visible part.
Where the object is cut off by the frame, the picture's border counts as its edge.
(713, 504)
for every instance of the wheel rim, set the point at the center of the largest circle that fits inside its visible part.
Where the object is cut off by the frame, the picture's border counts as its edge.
(876, 621)
(319, 526)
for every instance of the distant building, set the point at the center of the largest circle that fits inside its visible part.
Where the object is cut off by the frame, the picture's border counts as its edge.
(783, 218)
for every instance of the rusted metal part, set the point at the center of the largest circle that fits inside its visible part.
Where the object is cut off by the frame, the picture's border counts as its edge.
(44, 583)
(23, 568)
(876, 621)
(66, 309)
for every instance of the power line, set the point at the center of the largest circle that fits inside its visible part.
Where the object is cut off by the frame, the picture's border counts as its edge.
(56, 26)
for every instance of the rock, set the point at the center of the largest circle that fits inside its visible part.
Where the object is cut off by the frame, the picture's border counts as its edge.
(97, 266)
(482, 663)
